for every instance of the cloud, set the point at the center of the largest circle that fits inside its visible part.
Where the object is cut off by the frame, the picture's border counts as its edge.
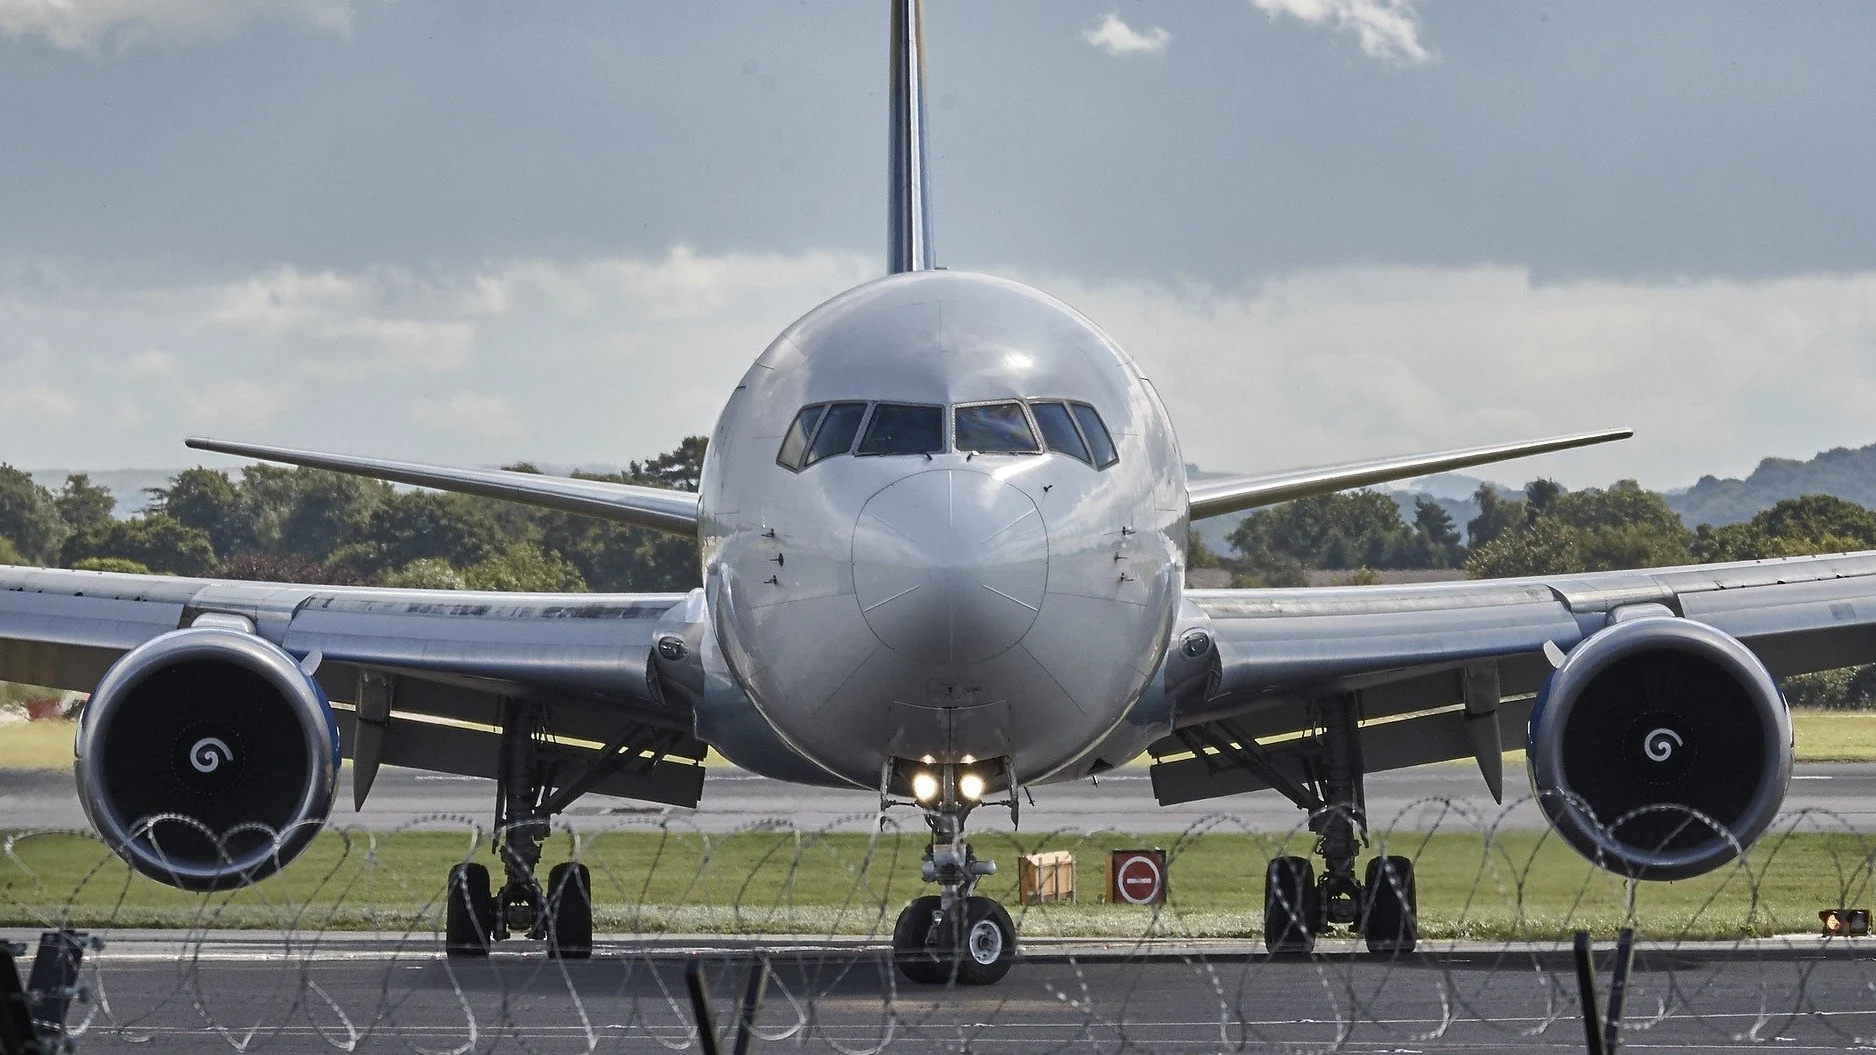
(84, 25)
(1346, 363)
(601, 360)
(1118, 38)
(1389, 30)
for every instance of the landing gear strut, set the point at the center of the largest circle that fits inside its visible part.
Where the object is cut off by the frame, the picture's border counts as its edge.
(1298, 906)
(953, 935)
(562, 912)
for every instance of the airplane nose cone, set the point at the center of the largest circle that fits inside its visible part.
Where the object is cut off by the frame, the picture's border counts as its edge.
(949, 566)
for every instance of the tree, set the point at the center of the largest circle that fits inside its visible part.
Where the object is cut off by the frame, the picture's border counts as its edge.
(29, 517)
(1198, 554)
(410, 527)
(1497, 515)
(157, 541)
(1436, 540)
(524, 567)
(207, 500)
(82, 504)
(1538, 496)
(1344, 530)
(326, 511)
(680, 470)
(429, 573)
(1623, 526)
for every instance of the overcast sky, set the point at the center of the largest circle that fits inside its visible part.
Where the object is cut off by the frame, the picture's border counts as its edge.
(477, 232)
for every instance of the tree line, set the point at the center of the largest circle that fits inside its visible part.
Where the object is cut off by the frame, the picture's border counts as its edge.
(280, 524)
(1547, 531)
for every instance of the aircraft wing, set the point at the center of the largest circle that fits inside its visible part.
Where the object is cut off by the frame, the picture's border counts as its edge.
(429, 669)
(1429, 661)
(650, 507)
(1214, 497)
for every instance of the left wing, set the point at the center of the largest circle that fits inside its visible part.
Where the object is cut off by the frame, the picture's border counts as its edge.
(650, 507)
(1447, 670)
(419, 677)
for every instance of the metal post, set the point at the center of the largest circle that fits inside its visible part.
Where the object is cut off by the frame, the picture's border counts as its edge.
(16, 1017)
(707, 1043)
(1586, 985)
(1618, 989)
(752, 1004)
(54, 983)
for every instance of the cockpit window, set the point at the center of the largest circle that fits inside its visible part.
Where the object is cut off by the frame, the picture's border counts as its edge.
(995, 428)
(795, 443)
(1059, 432)
(838, 427)
(897, 428)
(1098, 440)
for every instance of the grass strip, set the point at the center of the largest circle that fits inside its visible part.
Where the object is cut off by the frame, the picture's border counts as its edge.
(1511, 885)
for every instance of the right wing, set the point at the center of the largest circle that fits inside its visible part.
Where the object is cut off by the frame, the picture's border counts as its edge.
(424, 673)
(1213, 497)
(649, 507)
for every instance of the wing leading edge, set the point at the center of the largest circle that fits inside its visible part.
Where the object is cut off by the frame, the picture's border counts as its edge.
(648, 507)
(1248, 492)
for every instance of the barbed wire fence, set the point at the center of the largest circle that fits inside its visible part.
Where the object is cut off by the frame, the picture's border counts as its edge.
(785, 932)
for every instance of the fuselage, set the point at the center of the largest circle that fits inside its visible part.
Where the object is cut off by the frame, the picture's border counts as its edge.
(951, 603)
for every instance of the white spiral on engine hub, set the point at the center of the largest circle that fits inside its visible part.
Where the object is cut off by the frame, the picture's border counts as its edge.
(1656, 744)
(210, 752)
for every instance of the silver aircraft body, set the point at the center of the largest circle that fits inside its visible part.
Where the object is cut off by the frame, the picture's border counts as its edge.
(942, 525)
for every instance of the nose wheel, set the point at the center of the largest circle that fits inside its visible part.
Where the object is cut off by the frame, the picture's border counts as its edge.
(954, 935)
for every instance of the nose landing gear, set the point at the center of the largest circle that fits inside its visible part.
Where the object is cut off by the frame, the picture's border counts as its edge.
(954, 935)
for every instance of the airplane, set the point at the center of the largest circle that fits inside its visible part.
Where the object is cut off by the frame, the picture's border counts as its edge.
(942, 525)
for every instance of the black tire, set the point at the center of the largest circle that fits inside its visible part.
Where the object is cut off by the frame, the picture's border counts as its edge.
(918, 961)
(569, 912)
(987, 947)
(1391, 921)
(1291, 915)
(469, 911)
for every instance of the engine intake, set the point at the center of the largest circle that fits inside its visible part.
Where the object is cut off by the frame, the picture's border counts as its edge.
(207, 758)
(1660, 748)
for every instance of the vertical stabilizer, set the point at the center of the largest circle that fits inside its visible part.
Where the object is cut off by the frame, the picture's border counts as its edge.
(908, 235)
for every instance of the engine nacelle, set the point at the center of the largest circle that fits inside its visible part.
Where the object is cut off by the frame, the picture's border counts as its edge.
(207, 758)
(1660, 748)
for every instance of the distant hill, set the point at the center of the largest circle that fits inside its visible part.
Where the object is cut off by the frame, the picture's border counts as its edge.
(1848, 474)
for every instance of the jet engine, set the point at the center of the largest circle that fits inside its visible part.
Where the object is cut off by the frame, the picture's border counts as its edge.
(207, 758)
(1660, 748)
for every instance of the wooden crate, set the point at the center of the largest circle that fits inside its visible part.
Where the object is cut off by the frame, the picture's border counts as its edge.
(1046, 877)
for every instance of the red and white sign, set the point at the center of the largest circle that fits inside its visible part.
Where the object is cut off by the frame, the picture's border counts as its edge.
(1136, 877)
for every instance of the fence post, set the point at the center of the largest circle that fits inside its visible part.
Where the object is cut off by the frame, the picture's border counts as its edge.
(707, 1042)
(1618, 989)
(1586, 985)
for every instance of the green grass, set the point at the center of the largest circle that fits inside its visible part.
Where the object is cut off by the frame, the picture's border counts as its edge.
(37, 745)
(1517, 885)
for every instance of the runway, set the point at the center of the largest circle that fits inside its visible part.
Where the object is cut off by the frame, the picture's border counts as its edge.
(1415, 800)
(386, 993)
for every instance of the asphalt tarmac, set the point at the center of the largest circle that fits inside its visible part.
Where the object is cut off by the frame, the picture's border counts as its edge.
(225, 992)
(1443, 796)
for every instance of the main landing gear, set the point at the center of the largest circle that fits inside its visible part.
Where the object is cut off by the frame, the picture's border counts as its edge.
(561, 912)
(954, 935)
(1298, 905)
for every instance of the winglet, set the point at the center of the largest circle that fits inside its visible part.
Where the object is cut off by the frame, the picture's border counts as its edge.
(908, 232)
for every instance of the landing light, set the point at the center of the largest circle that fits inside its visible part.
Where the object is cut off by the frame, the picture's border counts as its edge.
(971, 786)
(924, 786)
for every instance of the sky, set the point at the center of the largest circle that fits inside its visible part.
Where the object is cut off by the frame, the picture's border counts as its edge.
(474, 233)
